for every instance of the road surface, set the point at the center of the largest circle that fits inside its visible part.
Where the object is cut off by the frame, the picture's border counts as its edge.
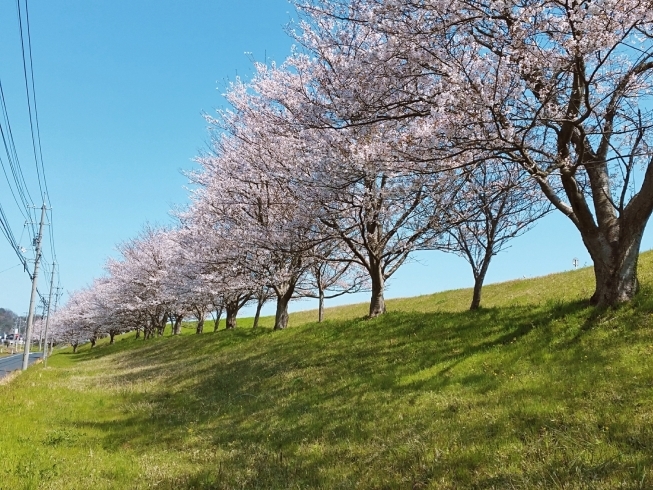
(12, 363)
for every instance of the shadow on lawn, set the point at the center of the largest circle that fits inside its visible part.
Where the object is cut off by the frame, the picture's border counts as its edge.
(288, 406)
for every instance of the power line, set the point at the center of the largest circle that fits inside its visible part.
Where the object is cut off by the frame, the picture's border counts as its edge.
(36, 110)
(9, 235)
(52, 249)
(12, 168)
(12, 267)
(46, 194)
(31, 99)
(14, 163)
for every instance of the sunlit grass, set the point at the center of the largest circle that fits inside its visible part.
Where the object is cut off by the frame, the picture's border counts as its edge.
(535, 390)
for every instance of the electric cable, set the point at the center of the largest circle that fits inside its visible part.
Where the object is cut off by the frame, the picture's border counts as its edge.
(12, 169)
(29, 99)
(36, 135)
(14, 163)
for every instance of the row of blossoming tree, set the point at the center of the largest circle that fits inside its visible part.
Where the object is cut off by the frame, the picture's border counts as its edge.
(395, 126)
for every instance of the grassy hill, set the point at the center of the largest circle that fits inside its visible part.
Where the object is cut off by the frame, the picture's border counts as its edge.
(536, 390)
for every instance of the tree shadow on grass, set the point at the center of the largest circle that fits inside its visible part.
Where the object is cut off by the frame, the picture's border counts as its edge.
(339, 394)
(364, 401)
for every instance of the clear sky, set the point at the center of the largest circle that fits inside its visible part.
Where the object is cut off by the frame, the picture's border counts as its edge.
(121, 87)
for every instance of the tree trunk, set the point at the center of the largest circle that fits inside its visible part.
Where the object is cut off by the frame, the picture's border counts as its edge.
(320, 308)
(612, 232)
(232, 312)
(162, 325)
(216, 323)
(112, 334)
(176, 329)
(93, 341)
(75, 348)
(479, 277)
(257, 316)
(138, 333)
(615, 268)
(476, 296)
(200, 325)
(377, 303)
(281, 316)
(148, 330)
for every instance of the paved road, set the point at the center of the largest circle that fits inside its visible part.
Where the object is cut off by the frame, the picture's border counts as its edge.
(12, 363)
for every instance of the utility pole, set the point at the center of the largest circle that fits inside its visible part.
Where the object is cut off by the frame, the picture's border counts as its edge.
(43, 307)
(57, 297)
(30, 315)
(47, 319)
(14, 348)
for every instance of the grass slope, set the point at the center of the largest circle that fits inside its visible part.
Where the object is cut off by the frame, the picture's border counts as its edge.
(536, 390)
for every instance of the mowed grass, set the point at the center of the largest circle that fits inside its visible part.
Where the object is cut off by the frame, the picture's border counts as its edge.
(536, 390)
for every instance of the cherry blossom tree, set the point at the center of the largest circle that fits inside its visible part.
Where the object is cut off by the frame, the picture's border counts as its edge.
(333, 273)
(103, 304)
(572, 106)
(561, 88)
(77, 322)
(501, 202)
(355, 178)
(379, 207)
(262, 296)
(213, 264)
(139, 280)
(246, 187)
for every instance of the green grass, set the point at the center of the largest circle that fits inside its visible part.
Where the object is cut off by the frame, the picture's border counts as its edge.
(535, 390)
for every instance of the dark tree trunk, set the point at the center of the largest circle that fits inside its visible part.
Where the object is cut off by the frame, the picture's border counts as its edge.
(257, 316)
(281, 316)
(200, 325)
(615, 268)
(479, 277)
(75, 348)
(176, 328)
(611, 231)
(377, 303)
(218, 315)
(320, 308)
(93, 341)
(476, 296)
(112, 335)
(232, 312)
(138, 333)
(162, 325)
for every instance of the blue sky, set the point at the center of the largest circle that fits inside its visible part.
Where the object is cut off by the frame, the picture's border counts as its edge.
(121, 87)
